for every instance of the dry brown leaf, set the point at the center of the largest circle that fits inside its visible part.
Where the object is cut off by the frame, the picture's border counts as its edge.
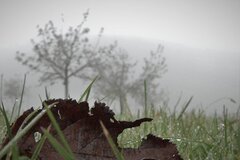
(85, 136)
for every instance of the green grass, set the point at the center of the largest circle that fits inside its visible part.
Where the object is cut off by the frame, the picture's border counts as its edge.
(196, 135)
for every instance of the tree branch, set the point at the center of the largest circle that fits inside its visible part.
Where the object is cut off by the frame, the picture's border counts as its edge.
(77, 70)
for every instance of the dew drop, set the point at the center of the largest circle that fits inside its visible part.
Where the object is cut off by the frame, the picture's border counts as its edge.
(37, 136)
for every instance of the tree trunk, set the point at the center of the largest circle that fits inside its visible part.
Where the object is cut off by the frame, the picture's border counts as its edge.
(66, 83)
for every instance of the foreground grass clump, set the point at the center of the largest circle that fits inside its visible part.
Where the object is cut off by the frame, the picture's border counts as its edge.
(2, 126)
(197, 135)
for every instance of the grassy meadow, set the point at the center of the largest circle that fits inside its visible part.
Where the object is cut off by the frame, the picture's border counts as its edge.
(197, 136)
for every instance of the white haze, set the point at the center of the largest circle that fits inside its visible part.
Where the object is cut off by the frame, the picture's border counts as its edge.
(205, 74)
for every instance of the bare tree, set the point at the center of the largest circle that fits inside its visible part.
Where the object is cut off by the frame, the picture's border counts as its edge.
(119, 80)
(114, 74)
(60, 56)
(153, 69)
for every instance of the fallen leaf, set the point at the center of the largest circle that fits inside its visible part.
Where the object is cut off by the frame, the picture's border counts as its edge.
(84, 134)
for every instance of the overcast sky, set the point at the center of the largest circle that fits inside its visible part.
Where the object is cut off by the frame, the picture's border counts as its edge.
(206, 24)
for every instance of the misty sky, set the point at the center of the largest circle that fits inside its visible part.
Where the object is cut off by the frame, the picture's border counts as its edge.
(201, 37)
(211, 24)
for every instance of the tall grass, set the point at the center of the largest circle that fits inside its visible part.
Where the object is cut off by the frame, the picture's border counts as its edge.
(197, 135)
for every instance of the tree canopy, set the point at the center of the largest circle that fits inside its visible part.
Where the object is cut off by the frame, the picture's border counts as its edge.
(118, 79)
(60, 56)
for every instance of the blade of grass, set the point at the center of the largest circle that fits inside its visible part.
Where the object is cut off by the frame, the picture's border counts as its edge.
(6, 148)
(3, 111)
(14, 149)
(40, 145)
(23, 158)
(115, 150)
(145, 99)
(40, 98)
(47, 94)
(184, 108)
(12, 112)
(59, 148)
(27, 119)
(145, 105)
(177, 103)
(225, 117)
(21, 99)
(58, 130)
(87, 91)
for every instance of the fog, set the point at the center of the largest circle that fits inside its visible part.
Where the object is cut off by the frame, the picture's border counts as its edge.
(200, 38)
